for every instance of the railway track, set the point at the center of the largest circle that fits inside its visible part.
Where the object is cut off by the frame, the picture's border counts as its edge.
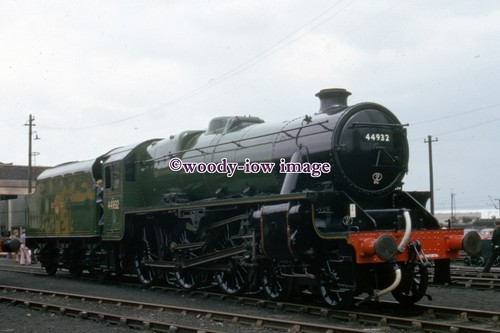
(472, 277)
(151, 316)
(146, 316)
(466, 277)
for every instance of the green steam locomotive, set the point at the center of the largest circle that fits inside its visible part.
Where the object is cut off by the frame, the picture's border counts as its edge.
(314, 204)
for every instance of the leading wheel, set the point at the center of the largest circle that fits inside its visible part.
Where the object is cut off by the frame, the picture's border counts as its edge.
(331, 289)
(467, 261)
(414, 282)
(147, 251)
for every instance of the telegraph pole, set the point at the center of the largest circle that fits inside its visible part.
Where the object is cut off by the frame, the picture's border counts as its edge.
(495, 205)
(498, 206)
(453, 207)
(30, 124)
(430, 141)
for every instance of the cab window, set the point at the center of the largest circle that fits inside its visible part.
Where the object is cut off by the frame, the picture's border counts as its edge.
(112, 176)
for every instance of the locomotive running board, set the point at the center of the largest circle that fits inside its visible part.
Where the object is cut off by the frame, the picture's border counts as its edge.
(207, 258)
(268, 198)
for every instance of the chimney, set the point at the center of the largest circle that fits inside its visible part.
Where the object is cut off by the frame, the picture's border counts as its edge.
(332, 100)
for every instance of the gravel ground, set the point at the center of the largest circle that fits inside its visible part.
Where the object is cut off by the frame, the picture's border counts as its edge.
(20, 319)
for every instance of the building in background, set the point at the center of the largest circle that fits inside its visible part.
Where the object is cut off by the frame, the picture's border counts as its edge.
(13, 187)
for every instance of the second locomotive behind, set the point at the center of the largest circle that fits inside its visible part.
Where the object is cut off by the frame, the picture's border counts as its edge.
(314, 203)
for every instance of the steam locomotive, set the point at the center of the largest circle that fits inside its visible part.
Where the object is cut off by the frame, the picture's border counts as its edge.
(313, 204)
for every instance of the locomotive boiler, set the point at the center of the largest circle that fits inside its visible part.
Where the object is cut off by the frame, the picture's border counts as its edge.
(314, 204)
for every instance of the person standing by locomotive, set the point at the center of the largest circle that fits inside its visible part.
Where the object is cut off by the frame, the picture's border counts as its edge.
(495, 247)
(25, 251)
(99, 201)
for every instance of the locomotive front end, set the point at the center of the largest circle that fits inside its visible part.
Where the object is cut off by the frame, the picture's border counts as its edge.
(370, 148)
(390, 238)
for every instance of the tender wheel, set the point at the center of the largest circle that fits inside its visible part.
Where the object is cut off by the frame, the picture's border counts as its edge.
(147, 250)
(51, 268)
(234, 279)
(331, 290)
(186, 278)
(414, 282)
(276, 287)
(73, 259)
(100, 273)
(48, 257)
(75, 270)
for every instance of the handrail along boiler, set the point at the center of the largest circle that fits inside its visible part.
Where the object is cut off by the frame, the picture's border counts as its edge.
(315, 204)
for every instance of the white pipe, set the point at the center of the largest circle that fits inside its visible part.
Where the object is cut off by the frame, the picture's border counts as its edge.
(402, 245)
(393, 286)
(291, 178)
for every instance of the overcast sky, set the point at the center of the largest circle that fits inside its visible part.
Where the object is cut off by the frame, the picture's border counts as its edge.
(101, 74)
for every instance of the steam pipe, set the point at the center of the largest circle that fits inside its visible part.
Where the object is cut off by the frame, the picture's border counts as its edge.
(394, 284)
(402, 245)
(291, 178)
